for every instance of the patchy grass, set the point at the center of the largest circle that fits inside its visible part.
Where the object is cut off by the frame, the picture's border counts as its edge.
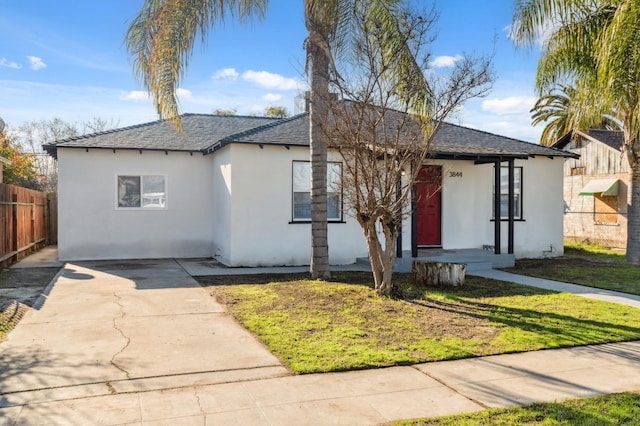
(588, 265)
(19, 289)
(618, 409)
(315, 326)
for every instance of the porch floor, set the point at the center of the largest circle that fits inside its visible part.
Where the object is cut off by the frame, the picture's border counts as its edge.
(474, 259)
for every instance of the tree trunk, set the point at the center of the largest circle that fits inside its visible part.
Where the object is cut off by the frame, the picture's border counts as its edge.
(387, 287)
(633, 215)
(318, 112)
(375, 251)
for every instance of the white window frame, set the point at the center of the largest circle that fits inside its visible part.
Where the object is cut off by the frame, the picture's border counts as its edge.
(161, 206)
(304, 186)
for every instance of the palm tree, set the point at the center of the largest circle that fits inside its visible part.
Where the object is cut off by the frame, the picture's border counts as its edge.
(595, 45)
(553, 109)
(556, 108)
(161, 40)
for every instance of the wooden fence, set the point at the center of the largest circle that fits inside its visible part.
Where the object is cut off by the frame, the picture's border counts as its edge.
(28, 222)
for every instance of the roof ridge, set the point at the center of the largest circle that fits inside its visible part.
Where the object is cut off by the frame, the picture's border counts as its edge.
(254, 130)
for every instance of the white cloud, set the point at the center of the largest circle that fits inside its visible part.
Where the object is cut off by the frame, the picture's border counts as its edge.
(5, 63)
(270, 81)
(445, 61)
(184, 93)
(272, 97)
(225, 73)
(36, 63)
(135, 95)
(509, 105)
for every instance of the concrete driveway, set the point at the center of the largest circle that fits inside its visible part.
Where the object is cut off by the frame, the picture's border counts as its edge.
(120, 326)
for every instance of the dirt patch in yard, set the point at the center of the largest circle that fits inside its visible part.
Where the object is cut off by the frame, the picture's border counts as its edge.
(19, 290)
(562, 262)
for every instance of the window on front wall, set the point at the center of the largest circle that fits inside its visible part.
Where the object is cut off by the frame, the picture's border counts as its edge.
(504, 193)
(301, 185)
(141, 192)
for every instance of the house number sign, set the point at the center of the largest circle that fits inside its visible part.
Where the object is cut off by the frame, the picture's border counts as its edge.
(455, 174)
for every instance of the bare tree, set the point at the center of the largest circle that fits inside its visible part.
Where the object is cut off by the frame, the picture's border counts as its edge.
(383, 126)
(276, 112)
(31, 135)
(222, 111)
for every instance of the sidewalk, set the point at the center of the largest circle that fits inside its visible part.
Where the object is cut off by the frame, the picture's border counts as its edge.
(360, 397)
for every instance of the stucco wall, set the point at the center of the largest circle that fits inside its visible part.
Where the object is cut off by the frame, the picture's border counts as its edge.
(222, 194)
(261, 232)
(467, 196)
(90, 226)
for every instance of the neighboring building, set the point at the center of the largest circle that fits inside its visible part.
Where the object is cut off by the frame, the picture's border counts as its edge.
(237, 188)
(596, 188)
(3, 161)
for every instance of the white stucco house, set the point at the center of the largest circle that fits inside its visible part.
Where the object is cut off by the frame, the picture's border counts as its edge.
(237, 189)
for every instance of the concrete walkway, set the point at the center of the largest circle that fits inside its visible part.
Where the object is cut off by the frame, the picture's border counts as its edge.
(580, 290)
(140, 342)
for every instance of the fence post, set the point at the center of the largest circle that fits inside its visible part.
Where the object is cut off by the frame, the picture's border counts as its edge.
(33, 222)
(14, 231)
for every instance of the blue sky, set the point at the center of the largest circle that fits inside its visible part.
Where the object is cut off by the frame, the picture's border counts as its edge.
(66, 59)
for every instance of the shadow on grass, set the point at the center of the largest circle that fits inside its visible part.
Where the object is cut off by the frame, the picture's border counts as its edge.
(563, 329)
(358, 278)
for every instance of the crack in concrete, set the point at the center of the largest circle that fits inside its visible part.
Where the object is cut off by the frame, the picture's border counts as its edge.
(128, 339)
(195, 393)
(448, 386)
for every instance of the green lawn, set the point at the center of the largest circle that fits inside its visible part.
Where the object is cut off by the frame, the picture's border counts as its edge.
(619, 409)
(584, 264)
(315, 326)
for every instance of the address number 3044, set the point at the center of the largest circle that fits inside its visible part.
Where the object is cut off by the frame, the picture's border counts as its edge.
(455, 174)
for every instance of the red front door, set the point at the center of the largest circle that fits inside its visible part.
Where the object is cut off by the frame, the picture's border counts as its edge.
(428, 205)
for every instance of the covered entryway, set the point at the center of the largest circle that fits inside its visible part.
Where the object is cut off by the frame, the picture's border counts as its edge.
(429, 206)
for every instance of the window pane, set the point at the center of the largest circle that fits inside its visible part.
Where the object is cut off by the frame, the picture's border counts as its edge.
(128, 191)
(302, 205)
(333, 205)
(504, 193)
(302, 190)
(153, 191)
(334, 177)
(301, 177)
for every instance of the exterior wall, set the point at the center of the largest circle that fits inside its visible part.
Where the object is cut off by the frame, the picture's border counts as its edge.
(261, 232)
(597, 161)
(90, 226)
(467, 209)
(221, 216)
(581, 222)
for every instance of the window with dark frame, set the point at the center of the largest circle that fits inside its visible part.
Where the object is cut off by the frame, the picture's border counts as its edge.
(504, 193)
(301, 187)
(141, 192)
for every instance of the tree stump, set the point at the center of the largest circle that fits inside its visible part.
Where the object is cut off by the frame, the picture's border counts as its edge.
(427, 274)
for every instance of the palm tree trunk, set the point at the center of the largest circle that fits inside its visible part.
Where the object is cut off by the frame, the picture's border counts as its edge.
(318, 112)
(633, 215)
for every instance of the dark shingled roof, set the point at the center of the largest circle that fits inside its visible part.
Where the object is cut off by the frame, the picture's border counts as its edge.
(208, 133)
(457, 141)
(608, 137)
(201, 132)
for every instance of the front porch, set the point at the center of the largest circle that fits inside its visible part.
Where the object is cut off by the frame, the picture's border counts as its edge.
(474, 259)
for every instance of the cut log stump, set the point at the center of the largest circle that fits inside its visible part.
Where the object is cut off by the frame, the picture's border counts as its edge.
(428, 274)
